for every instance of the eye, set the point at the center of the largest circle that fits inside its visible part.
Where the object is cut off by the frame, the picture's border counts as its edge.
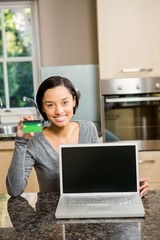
(65, 103)
(50, 105)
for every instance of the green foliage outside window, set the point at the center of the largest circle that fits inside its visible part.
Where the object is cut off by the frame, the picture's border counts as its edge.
(20, 82)
(18, 44)
(1, 53)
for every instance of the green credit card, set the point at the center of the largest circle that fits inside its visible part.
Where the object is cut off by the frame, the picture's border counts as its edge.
(32, 126)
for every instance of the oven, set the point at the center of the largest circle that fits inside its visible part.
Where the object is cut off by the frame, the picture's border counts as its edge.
(130, 110)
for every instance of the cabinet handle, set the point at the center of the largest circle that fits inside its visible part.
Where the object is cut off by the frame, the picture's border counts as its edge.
(135, 70)
(147, 161)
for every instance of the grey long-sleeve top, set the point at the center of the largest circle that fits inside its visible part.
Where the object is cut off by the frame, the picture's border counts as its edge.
(38, 153)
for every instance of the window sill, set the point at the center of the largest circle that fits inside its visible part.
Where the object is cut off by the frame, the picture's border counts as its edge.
(13, 116)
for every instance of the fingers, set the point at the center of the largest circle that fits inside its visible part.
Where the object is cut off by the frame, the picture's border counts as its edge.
(20, 132)
(28, 118)
(142, 180)
(143, 192)
(144, 186)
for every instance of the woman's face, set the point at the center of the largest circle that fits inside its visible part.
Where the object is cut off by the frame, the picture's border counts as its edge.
(58, 104)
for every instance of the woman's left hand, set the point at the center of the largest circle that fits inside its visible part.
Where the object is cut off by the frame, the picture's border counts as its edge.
(143, 186)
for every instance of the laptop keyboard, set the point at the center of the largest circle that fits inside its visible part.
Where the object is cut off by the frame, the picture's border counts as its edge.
(100, 200)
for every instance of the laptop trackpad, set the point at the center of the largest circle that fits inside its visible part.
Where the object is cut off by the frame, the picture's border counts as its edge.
(99, 209)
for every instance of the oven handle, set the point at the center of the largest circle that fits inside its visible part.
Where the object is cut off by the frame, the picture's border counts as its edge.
(131, 99)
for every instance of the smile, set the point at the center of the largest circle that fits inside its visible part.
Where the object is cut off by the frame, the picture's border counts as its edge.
(60, 118)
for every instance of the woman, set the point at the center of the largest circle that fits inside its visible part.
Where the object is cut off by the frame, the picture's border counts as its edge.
(57, 101)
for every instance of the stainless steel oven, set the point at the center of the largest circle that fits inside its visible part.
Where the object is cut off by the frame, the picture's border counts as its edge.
(131, 111)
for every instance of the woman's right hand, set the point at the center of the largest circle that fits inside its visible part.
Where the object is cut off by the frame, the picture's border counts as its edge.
(20, 132)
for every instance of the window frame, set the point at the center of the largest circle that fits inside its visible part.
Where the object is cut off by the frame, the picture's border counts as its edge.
(35, 58)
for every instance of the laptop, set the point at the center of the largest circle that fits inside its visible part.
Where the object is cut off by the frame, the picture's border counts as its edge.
(99, 181)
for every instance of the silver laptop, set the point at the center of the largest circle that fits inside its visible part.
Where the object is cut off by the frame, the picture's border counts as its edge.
(99, 181)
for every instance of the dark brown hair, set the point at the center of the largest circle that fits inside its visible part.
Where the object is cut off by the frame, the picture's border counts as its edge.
(53, 82)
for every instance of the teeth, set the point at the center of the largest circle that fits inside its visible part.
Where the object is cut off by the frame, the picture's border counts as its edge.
(60, 118)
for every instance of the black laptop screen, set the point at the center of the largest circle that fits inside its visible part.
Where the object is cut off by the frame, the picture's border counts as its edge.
(99, 169)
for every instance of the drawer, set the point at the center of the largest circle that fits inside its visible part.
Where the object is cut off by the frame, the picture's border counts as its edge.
(149, 164)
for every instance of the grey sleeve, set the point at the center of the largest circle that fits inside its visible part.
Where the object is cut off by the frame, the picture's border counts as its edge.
(95, 134)
(88, 132)
(19, 169)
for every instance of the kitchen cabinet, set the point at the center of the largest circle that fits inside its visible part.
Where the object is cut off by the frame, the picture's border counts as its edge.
(149, 165)
(6, 152)
(128, 38)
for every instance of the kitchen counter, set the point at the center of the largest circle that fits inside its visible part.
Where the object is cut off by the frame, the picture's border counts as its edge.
(31, 216)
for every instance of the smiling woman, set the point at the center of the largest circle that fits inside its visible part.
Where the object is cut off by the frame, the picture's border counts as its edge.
(57, 101)
(17, 61)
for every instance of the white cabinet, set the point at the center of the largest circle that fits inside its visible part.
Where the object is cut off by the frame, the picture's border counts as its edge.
(149, 163)
(128, 38)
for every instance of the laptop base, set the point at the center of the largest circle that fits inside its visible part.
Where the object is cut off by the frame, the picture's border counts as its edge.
(64, 210)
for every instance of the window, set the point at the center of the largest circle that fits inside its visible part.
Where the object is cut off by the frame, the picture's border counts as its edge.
(18, 61)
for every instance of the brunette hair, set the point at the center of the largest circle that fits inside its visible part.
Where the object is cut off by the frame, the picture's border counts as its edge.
(53, 82)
